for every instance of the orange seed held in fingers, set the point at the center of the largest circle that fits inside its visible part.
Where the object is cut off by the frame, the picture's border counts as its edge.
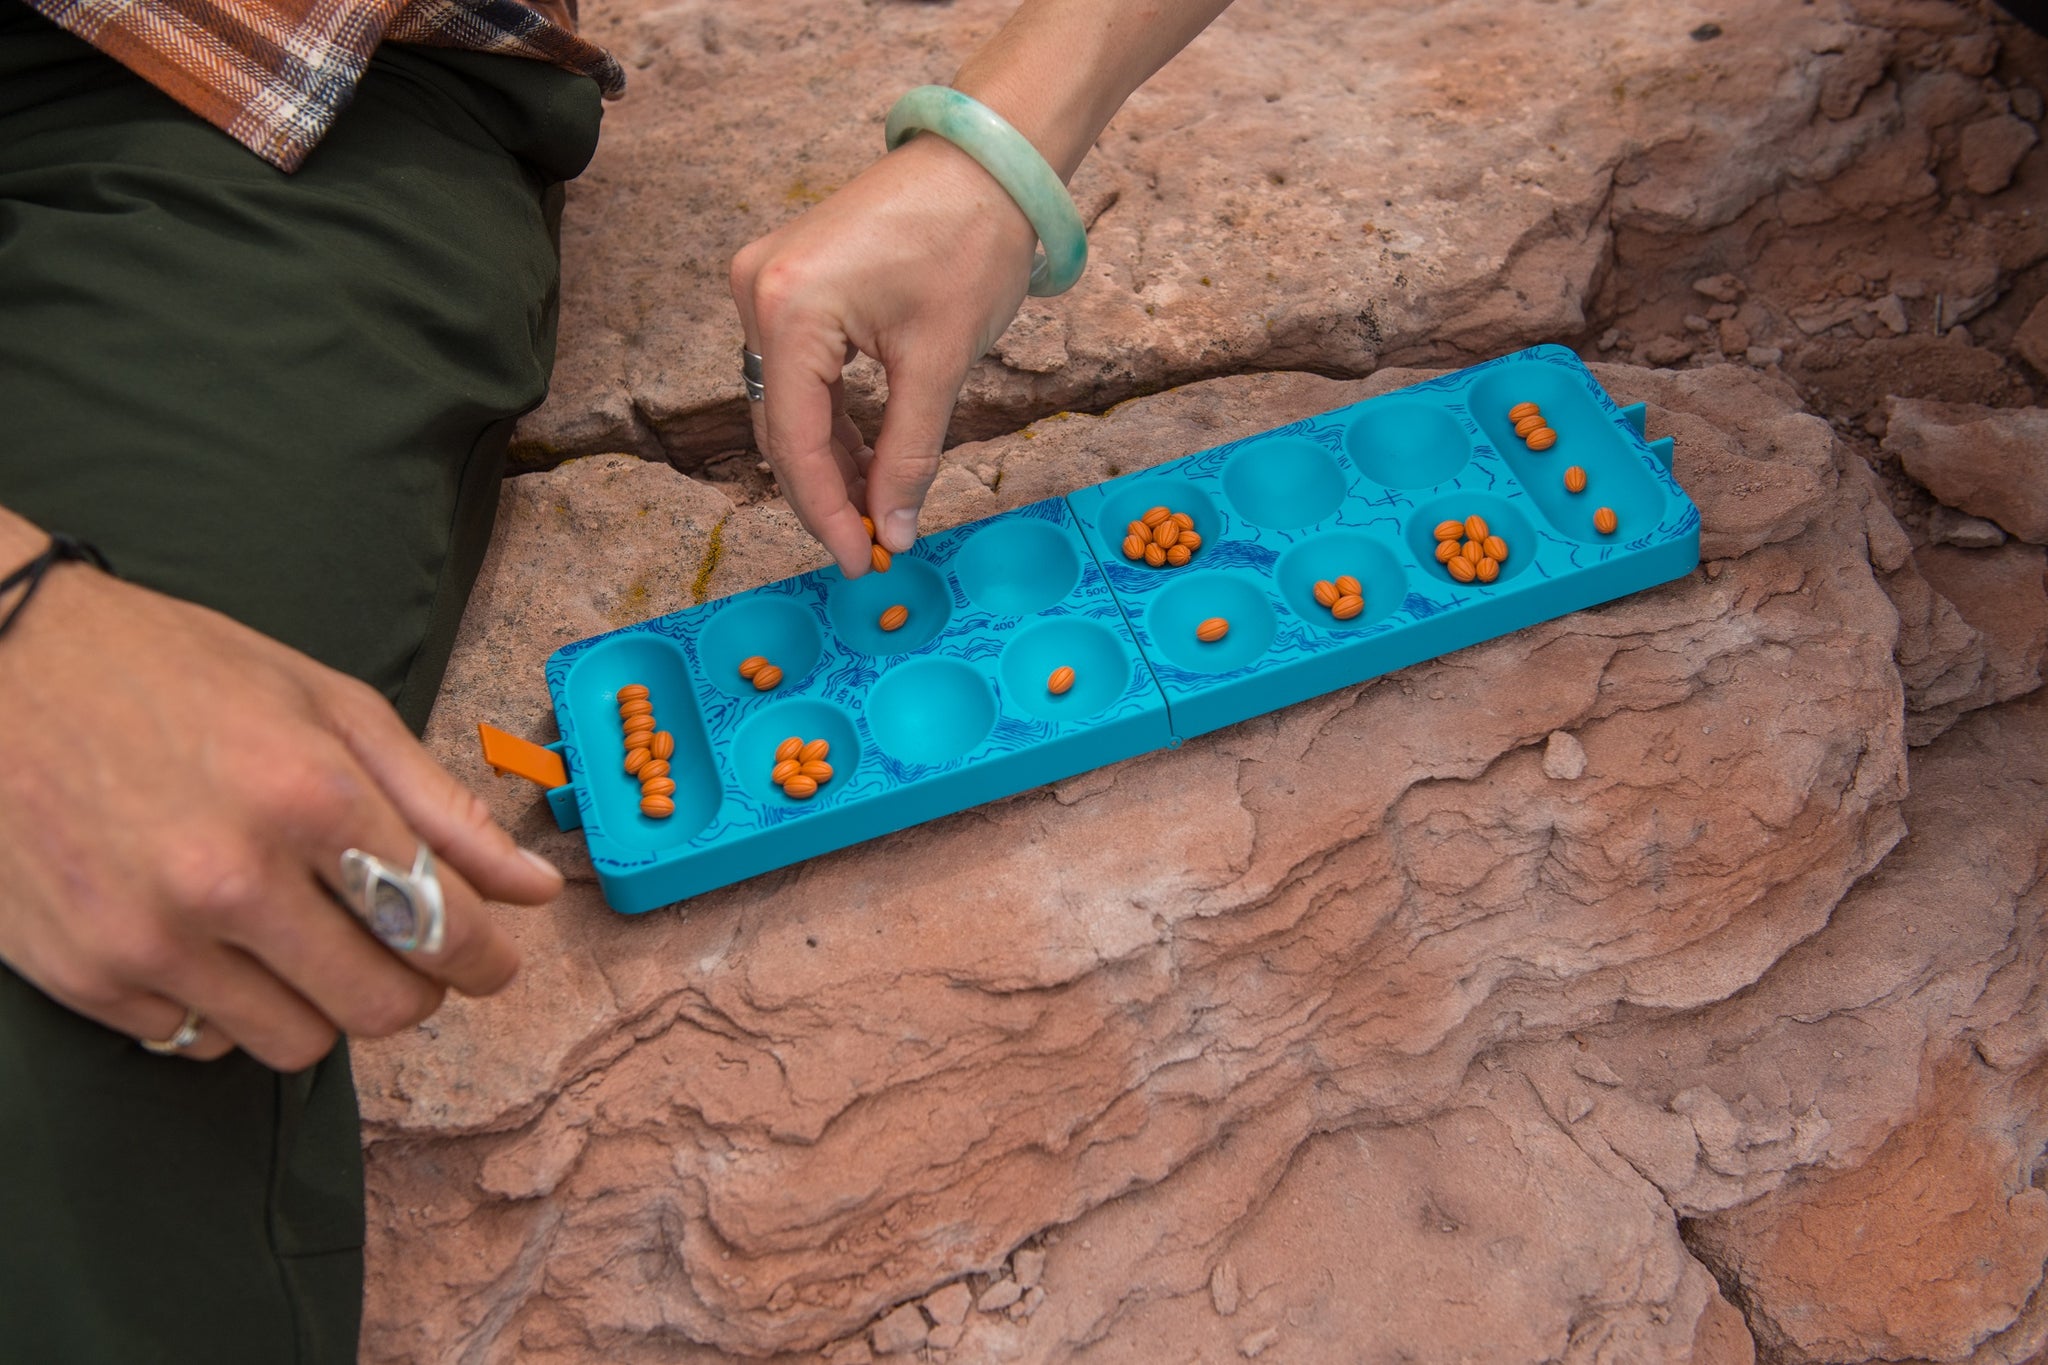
(815, 751)
(658, 786)
(1521, 410)
(1155, 515)
(636, 759)
(801, 787)
(1528, 424)
(1488, 570)
(1212, 630)
(1326, 593)
(633, 692)
(1475, 527)
(894, 617)
(1543, 438)
(1062, 678)
(1134, 546)
(751, 665)
(1347, 586)
(1447, 550)
(868, 524)
(659, 807)
(784, 770)
(1348, 606)
(818, 770)
(879, 557)
(663, 745)
(653, 767)
(1179, 555)
(1450, 530)
(789, 748)
(1604, 521)
(1462, 570)
(1155, 556)
(1496, 548)
(1575, 480)
(767, 678)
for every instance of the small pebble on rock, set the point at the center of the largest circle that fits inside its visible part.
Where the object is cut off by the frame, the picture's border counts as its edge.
(1719, 288)
(946, 1336)
(1763, 357)
(950, 1304)
(1564, 758)
(1610, 339)
(1026, 1266)
(999, 1296)
(1255, 1345)
(1947, 526)
(1034, 1299)
(854, 1352)
(1666, 350)
(1891, 311)
(1223, 1288)
(1695, 323)
(903, 1330)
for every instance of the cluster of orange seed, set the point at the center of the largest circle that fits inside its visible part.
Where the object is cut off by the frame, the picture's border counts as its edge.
(1469, 551)
(1530, 426)
(647, 752)
(800, 766)
(763, 675)
(1162, 537)
(1345, 598)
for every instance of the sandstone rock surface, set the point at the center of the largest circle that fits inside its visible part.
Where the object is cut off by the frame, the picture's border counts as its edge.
(1988, 462)
(1121, 1013)
(1326, 186)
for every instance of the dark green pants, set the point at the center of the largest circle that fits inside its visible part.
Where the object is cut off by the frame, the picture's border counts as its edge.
(286, 397)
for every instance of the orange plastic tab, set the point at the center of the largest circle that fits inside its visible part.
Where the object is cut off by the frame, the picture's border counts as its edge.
(516, 757)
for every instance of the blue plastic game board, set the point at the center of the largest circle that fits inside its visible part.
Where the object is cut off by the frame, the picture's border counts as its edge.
(953, 709)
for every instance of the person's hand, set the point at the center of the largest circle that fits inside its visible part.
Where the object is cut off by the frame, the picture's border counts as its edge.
(176, 791)
(921, 263)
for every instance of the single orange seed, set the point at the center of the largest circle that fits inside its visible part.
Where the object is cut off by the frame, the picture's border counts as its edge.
(1153, 516)
(1575, 480)
(1521, 410)
(1348, 606)
(653, 767)
(801, 787)
(642, 726)
(1179, 555)
(784, 770)
(1134, 547)
(1474, 551)
(1155, 556)
(1138, 529)
(1326, 593)
(1605, 522)
(1543, 438)
(894, 617)
(1446, 551)
(1450, 530)
(819, 771)
(1488, 570)
(1347, 586)
(659, 807)
(636, 759)
(663, 744)
(1528, 424)
(633, 692)
(658, 786)
(751, 665)
(788, 749)
(1212, 630)
(1166, 533)
(868, 524)
(1462, 570)
(878, 557)
(1191, 540)
(1496, 548)
(630, 709)
(1475, 527)
(1183, 520)
(814, 751)
(1062, 678)
(767, 678)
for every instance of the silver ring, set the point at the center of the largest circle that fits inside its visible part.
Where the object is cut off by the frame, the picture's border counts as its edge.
(750, 375)
(405, 910)
(187, 1034)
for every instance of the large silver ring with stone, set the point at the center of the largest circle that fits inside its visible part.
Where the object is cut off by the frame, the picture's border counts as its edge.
(187, 1034)
(405, 910)
(750, 372)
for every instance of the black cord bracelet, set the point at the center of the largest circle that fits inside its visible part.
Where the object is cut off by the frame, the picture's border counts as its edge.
(30, 576)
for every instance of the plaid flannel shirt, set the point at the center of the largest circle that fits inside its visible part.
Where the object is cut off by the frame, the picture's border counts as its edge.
(274, 74)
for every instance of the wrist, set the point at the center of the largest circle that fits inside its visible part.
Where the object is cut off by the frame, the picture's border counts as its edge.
(20, 540)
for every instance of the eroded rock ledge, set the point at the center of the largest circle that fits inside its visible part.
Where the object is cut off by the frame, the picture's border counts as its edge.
(1355, 1009)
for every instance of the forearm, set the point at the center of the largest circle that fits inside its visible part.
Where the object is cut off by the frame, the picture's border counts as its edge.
(1060, 69)
(19, 541)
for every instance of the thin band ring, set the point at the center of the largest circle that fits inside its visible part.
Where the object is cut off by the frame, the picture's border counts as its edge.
(750, 374)
(187, 1034)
